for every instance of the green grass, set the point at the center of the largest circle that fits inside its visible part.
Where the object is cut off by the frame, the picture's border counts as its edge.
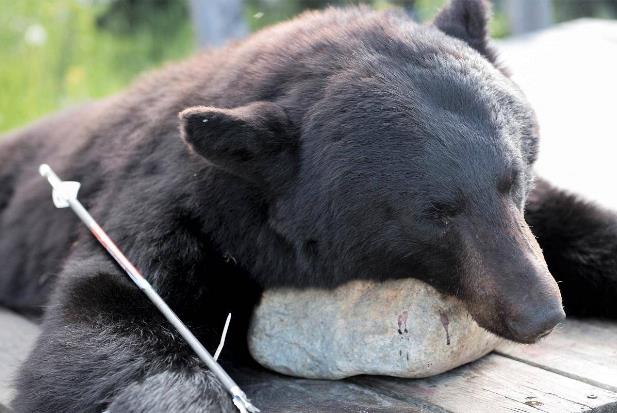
(76, 62)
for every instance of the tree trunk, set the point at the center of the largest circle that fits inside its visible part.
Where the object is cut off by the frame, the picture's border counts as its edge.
(217, 21)
(529, 15)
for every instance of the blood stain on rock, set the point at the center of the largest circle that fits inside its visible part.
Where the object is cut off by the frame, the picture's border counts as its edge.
(402, 322)
(445, 322)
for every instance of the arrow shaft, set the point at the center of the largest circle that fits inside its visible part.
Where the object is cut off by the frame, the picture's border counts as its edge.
(156, 299)
(240, 399)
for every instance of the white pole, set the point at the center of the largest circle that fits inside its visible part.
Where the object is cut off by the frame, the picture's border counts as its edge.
(65, 195)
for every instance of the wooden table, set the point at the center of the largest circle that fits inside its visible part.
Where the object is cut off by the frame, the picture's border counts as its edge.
(572, 370)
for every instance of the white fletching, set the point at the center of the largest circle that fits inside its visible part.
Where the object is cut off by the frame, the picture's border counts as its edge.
(66, 191)
(63, 191)
(65, 195)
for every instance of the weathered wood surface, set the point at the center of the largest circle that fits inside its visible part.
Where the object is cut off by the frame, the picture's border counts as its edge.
(572, 370)
(499, 384)
(275, 393)
(17, 337)
(583, 350)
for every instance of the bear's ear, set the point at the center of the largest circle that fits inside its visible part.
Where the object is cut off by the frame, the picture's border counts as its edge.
(467, 20)
(254, 141)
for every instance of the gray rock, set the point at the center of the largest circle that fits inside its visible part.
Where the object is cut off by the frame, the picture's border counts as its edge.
(402, 328)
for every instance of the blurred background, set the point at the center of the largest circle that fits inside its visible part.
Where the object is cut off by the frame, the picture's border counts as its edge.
(61, 52)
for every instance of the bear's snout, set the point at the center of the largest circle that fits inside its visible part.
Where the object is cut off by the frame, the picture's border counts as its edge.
(531, 295)
(512, 292)
(535, 301)
(533, 325)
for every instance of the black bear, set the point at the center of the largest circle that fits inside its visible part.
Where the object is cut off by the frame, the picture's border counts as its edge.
(344, 144)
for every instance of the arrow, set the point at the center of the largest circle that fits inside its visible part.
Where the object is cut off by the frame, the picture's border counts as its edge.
(64, 195)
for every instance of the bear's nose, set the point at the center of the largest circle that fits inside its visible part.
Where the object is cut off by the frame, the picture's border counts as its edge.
(535, 325)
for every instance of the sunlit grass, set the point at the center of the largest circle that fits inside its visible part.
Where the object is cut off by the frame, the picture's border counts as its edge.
(52, 55)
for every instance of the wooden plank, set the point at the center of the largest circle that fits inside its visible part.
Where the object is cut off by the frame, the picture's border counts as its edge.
(17, 337)
(583, 350)
(275, 393)
(499, 384)
(494, 384)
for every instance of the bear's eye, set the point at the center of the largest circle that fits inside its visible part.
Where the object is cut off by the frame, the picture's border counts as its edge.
(507, 181)
(442, 211)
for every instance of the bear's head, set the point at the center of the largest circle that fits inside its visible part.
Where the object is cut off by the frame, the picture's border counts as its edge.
(414, 161)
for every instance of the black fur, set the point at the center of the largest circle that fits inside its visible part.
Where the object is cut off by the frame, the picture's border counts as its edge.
(343, 144)
(579, 241)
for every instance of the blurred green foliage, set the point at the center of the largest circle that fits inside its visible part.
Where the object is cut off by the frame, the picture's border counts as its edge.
(261, 13)
(564, 10)
(61, 52)
(158, 17)
(54, 54)
(57, 53)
